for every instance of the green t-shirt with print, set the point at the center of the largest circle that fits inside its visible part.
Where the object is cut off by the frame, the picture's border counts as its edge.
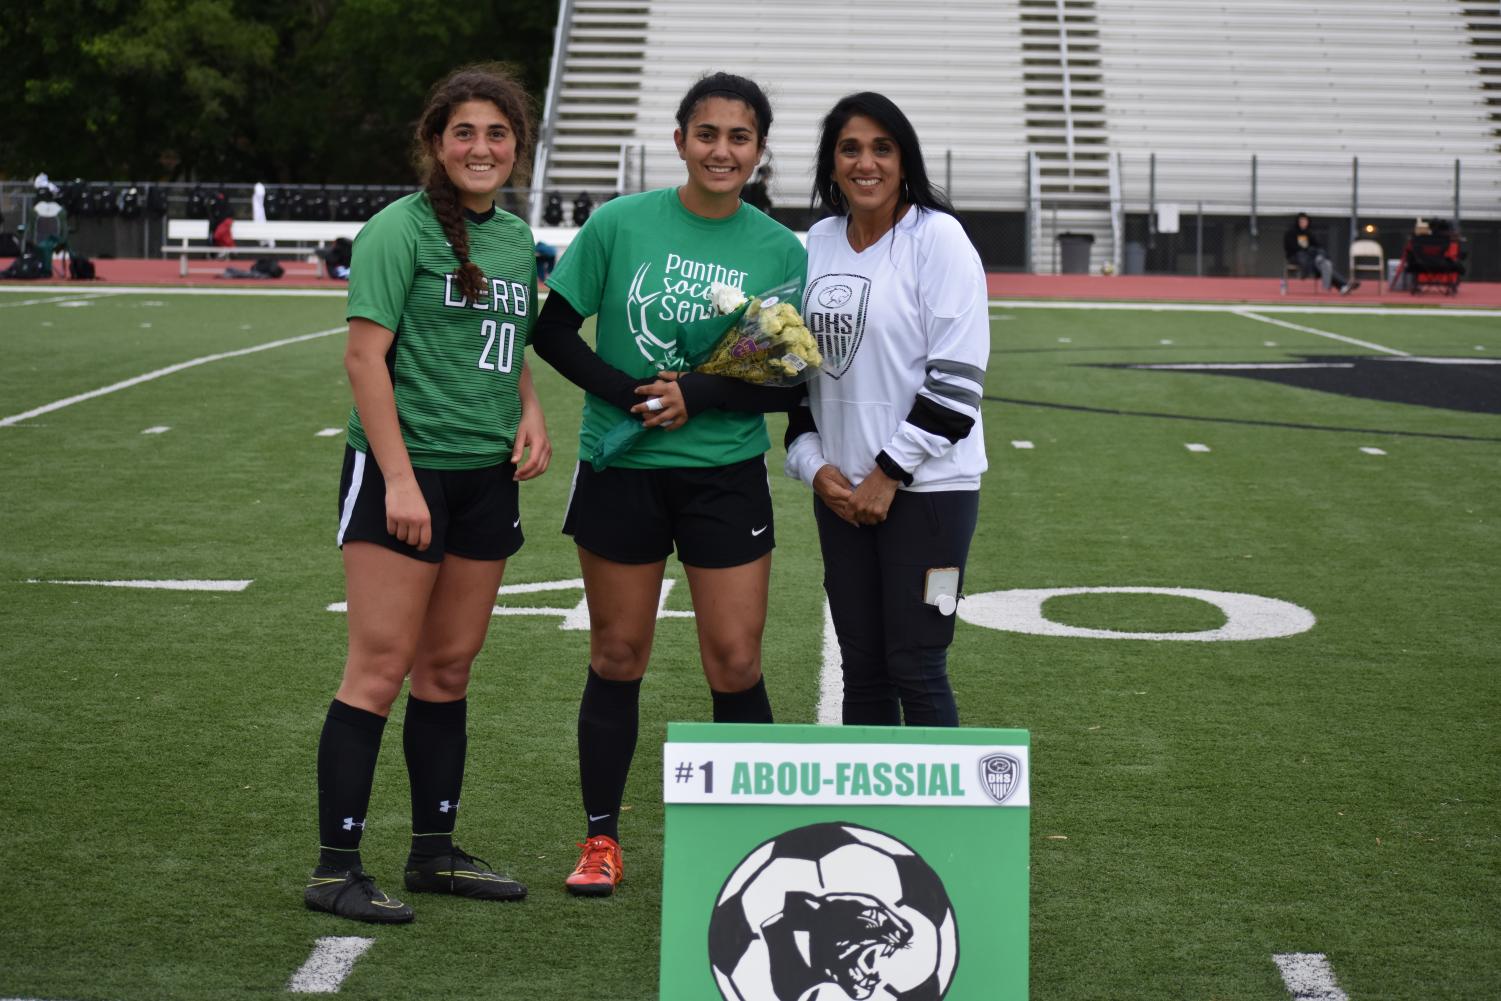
(454, 365)
(642, 265)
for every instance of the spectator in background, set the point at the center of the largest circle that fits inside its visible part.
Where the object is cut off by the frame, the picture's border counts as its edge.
(1303, 249)
(221, 221)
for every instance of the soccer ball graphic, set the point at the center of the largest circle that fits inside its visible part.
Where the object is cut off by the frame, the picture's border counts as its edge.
(833, 912)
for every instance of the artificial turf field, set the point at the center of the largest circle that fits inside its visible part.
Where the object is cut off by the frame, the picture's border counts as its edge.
(1198, 807)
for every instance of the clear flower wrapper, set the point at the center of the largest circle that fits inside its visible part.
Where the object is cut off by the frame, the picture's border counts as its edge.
(757, 339)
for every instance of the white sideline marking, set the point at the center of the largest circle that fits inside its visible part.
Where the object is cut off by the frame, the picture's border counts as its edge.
(159, 585)
(1065, 340)
(1250, 315)
(329, 432)
(169, 370)
(332, 959)
(1447, 361)
(1164, 342)
(831, 675)
(1236, 307)
(159, 429)
(1194, 446)
(1134, 305)
(1309, 977)
(1021, 444)
(1209, 366)
(316, 293)
(1368, 450)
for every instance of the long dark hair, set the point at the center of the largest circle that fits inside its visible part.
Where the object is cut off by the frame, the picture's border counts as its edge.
(483, 82)
(916, 188)
(735, 88)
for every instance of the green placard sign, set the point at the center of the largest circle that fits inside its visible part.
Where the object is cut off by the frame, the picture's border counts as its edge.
(812, 863)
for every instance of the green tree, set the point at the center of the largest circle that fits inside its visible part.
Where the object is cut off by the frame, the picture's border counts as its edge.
(322, 91)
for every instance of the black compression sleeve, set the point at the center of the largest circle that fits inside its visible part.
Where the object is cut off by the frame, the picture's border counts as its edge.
(556, 338)
(706, 392)
(799, 422)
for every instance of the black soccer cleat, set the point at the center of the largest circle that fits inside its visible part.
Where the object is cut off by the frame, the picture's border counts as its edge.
(351, 893)
(462, 875)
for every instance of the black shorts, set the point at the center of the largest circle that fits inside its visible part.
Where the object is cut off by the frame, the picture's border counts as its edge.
(475, 512)
(719, 516)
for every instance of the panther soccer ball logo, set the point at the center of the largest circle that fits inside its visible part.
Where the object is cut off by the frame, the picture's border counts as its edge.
(833, 912)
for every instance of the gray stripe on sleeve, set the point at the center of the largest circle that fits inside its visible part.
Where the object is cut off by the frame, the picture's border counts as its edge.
(973, 373)
(949, 391)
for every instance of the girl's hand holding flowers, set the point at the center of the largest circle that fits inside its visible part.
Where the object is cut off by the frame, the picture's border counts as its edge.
(664, 406)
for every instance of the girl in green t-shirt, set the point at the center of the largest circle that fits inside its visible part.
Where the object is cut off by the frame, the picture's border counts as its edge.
(643, 265)
(441, 299)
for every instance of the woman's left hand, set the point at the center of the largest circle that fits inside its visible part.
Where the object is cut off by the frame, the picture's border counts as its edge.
(665, 407)
(872, 498)
(532, 443)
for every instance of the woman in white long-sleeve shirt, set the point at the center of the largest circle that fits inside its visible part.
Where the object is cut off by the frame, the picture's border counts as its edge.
(891, 439)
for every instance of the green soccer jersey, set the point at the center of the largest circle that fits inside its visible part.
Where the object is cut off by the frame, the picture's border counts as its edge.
(454, 364)
(644, 264)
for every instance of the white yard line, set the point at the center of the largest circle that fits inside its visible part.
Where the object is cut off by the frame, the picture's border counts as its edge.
(157, 585)
(1252, 315)
(332, 960)
(1309, 977)
(831, 676)
(74, 297)
(169, 370)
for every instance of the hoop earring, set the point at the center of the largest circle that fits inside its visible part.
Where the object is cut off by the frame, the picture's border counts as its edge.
(906, 192)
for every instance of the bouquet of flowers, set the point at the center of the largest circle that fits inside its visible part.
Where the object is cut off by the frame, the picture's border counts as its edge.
(757, 339)
(767, 344)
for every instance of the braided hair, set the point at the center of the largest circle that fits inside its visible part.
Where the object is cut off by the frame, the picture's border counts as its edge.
(483, 82)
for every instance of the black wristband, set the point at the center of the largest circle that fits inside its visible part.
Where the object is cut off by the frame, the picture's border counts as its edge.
(888, 466)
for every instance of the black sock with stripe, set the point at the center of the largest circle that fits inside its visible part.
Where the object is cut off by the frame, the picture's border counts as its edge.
(609, 719)
(347, 751)
(435, 739)
(749, 706)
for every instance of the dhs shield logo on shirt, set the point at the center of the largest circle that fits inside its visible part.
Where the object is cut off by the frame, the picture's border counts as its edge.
(834, 310)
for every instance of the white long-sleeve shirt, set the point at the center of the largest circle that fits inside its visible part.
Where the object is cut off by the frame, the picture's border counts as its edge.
(904, 329)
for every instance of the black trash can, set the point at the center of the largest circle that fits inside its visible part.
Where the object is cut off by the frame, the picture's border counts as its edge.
(1074, 251)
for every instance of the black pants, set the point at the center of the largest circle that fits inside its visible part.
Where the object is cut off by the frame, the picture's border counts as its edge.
(1316, 262)
(894, 645)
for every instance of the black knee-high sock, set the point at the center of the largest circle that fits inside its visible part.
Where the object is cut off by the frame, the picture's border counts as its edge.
(435, 740)
(609, 719)
(749, 706)
(346, 769)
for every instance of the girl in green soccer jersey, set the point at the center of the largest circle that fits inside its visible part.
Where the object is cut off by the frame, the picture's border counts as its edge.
(442, 296)
(644, 264)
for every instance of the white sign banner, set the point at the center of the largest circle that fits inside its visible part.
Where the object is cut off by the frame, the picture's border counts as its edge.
(847, 774)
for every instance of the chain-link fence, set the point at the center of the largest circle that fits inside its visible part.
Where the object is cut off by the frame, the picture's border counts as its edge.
(1026, 210)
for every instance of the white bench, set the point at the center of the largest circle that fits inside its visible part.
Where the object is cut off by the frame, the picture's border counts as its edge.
(293, 238)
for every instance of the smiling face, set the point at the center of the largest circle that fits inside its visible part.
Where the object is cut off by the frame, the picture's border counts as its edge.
(868, 167)
(477, 150)
(720, 147)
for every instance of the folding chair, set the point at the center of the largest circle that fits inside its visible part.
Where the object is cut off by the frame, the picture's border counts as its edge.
(1292, 271)
(1367, 257)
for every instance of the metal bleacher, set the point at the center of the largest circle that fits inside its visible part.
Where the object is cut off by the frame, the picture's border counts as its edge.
(1056, 108)
(1307, 87)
